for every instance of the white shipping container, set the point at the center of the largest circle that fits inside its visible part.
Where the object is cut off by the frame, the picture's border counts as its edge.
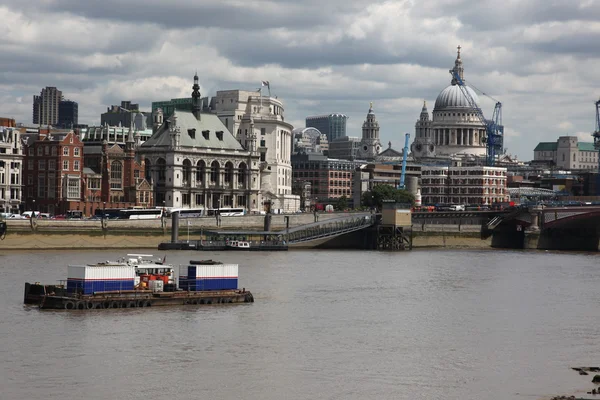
(101, 272)
(156, 286)
(216, 271)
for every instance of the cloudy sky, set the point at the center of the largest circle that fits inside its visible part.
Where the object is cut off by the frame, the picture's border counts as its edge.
(539, 57)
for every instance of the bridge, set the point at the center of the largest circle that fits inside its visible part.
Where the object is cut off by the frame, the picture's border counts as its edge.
(316, 234)
(320, 232)
(549, 228)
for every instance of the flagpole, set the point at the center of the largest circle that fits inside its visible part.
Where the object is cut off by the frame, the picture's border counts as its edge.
(260, 91)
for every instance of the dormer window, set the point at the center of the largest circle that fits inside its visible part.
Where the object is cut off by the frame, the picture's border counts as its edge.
(192, 133)
(205, 134)
(219, 135)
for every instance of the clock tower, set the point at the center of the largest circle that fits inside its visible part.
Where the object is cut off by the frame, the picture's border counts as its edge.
(370, 146)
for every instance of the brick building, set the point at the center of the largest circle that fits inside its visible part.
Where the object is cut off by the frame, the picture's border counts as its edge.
(115, 178)
(463, 185)
(53, 172)
(329, 178)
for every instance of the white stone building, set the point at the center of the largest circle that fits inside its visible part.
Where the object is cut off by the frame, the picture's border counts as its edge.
(370, 146)
(454, 129)
(463, 185)
(11, 169)
(253, 117)
(567, 153)
(192, 160)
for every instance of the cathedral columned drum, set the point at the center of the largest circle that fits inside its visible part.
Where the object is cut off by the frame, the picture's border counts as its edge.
(454, 129)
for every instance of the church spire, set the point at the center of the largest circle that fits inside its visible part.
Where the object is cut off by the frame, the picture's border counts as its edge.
(196, 98)
(458, 67)
(424, 112)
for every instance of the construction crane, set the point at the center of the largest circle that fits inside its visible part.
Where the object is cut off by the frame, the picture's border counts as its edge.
(596, 133)
(494, 130)
(404, 155)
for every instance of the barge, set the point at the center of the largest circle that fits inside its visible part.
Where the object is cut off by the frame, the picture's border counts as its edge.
(140, 282)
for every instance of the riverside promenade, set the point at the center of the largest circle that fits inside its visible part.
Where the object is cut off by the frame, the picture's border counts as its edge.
(123, 234)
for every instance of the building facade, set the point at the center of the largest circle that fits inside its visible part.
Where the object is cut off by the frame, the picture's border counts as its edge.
(567, 153)
(192, 160)
(254, 118)
(127, 114)
(113, 135)
(370, 146)
(329, 178)
(309, 140)
(345, 148)
(68, 114)
(454, 129)
(168, 107)
(331, 125)
(114, 177)
(11, 168)
(53, 169)
(46, 106)
(477, 185)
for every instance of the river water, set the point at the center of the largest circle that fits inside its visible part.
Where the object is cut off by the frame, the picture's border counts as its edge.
(324, 325)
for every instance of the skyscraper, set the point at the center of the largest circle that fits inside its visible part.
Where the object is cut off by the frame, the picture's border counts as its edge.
(46, 105)
(331, 125)
(68, 113)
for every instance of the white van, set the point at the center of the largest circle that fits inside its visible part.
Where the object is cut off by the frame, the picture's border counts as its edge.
(457, 207)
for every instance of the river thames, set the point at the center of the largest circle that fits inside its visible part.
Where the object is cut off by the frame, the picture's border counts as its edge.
(325, 325)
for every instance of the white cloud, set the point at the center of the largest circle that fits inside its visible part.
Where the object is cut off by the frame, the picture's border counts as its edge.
(538, 58)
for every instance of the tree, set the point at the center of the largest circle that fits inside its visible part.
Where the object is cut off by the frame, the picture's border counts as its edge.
(342, 203)
(375, 197)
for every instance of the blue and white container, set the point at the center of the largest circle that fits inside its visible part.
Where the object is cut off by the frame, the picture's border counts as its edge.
(209, 277)
(87, 279)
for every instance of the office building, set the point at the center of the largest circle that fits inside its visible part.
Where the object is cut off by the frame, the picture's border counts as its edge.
(567, 153)
(331, 125)
(68, 114)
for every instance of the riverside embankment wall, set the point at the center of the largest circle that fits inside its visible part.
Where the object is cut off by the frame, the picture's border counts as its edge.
(88, 234)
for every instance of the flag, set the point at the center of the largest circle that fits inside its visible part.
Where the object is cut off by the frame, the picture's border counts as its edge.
(265, 83)
(164, 259)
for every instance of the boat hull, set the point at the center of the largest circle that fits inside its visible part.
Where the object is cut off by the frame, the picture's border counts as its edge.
(139, 299)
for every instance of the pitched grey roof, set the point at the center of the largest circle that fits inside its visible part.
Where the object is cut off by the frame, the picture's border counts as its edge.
(186, 121)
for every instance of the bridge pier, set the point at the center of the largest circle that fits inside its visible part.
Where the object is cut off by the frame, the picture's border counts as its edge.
(532, 233)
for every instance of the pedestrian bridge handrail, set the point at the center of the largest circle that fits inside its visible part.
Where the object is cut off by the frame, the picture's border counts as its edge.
(330, 227)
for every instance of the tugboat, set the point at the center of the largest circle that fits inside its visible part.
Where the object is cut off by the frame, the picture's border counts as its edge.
(139, 281)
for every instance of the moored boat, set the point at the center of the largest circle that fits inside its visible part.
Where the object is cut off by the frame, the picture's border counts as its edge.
(139, 281)
(237, 245)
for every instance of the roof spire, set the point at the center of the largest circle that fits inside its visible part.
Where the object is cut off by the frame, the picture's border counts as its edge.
(196, 107)
(458, 67)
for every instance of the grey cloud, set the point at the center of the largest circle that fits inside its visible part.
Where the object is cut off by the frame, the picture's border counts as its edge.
(184, 14)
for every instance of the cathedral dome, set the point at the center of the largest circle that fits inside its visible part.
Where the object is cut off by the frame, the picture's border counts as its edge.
(452, 97)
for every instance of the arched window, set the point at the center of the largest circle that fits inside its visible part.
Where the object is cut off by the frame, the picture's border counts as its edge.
(162, 169)
(200, 172)
(215, 170)
(228, 172)
(116, 175)
(242, 171)
(187, 172)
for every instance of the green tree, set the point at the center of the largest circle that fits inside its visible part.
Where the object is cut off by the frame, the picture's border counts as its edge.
(375, 197)
(342, 203)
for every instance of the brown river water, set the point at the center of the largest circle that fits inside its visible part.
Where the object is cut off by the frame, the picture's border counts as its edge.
(325, 325)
